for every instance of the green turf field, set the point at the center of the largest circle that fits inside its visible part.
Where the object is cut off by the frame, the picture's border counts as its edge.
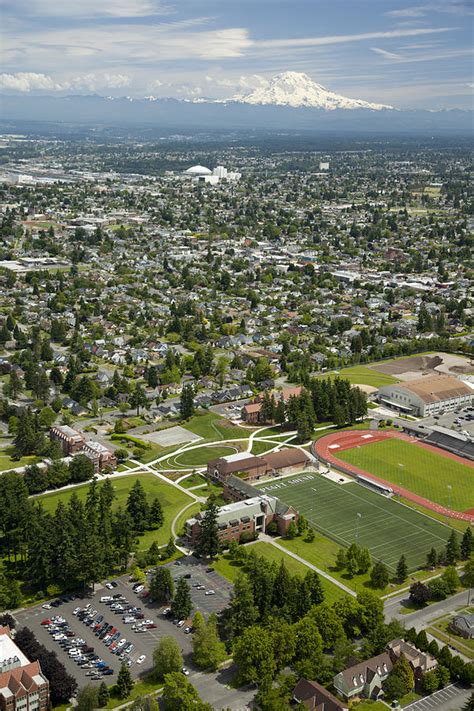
(417, 469)
(384, 526)
(199, 456)
(171, 498)
(362, 375)
(213, 427)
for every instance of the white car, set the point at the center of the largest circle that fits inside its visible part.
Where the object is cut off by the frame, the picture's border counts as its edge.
(140, 589)
(109, 586)
(210, 592)
(185, 671)
(46, 606)
(76, 610)
(141, 659)
(180, 623)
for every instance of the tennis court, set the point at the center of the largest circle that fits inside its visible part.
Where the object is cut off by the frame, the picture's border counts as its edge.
(350, 513)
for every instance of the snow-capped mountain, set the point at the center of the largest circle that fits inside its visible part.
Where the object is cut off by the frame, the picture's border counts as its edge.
(296, 89)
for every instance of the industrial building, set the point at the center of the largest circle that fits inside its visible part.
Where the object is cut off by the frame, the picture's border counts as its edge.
(428, 395)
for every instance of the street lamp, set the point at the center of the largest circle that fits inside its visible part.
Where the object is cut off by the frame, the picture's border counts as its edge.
(359, 516)
(450, 488)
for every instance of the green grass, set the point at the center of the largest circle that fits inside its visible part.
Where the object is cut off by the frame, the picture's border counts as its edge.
(261, 447)
(416, 469)
(193, 480)
(210, 426)
(362, 375)
(440, 630)
(200, 456)
(7, 463)
(141, 688)
(229, 569)
(183, 517)
(385, 527)
(171, 498)
(453, 522)
(369, 705)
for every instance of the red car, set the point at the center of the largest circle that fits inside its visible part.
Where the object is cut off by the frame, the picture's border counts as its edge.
(151, 627)
(45, 622)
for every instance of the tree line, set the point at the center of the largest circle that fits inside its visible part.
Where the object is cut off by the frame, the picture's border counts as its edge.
(76, 545)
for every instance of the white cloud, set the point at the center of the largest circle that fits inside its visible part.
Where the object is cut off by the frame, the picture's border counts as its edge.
(455, 7)
(28, 81)
(94, 8)
(384, 53)
(425, 57)
(342, 39)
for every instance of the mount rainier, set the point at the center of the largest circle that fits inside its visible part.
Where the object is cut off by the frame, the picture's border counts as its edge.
(297, 90)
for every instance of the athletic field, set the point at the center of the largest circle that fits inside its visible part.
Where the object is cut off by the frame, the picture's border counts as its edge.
(350, 513)
(420, 470)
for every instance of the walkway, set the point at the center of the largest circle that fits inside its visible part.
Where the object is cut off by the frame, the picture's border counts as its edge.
(267, 539)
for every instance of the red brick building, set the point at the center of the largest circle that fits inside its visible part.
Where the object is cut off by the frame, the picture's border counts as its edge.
(249, 466)
(23, 686)
(71, 440)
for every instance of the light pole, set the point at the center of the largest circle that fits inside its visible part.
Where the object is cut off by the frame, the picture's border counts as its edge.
(358, 517)
(450, 488)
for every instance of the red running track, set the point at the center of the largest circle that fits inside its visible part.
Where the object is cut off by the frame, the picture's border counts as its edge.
(326, 450)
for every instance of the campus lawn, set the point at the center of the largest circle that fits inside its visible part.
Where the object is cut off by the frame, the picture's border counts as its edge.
(229, 569)
(171, 498)
(440, 629)
(362, 375)
(183, 517)
(193, 480)
(350, 512)
(7, 463)
(417, 469)
(211, 427)
(200, 456)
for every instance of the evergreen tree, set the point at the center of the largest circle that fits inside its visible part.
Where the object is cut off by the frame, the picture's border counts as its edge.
(242, 610)
(186, 403)
(432, 558)
(182, 604)
(379, 576)
(453, 549)
(162, 586)
(103, 695)
(208, 650)
(138, 398)
(155, 516)
(208, 541)
(167, 658)
(402, 569)
(467, 543)
(124, 684)
(137, 506)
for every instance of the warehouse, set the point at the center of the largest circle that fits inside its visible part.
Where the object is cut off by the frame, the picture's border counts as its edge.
(428, 395)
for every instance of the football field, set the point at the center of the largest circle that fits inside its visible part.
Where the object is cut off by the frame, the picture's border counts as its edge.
(350, 513)
(435, 476)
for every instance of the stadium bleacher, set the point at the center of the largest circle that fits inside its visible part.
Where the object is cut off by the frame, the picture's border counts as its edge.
(451, 441)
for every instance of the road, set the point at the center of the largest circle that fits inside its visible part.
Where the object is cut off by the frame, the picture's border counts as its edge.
(451, 698)
(420, 618)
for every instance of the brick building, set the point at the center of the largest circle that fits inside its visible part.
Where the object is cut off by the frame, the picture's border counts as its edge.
(72, 442)
(249, 466)
(23, 686)
(250, 516)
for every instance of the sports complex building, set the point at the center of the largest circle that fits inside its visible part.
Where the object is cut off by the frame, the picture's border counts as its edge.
(428, 395)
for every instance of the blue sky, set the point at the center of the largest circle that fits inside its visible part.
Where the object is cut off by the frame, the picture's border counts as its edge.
(400, 52)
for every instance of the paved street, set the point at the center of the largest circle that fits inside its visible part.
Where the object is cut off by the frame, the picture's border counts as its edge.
(451, 698)
(419, 618)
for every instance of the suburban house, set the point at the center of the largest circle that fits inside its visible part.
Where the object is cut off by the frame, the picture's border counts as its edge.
(250, 516)
(316, 698)
(428, 395)
(366, 678)
(250, 413)
(250, 466)
(72, 442)
(463, 625)
(23, 686)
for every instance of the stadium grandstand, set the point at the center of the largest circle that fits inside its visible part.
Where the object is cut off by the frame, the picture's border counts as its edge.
(375, 485)
(455, 442)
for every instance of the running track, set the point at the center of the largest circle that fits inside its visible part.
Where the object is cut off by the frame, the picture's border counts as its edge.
(326, 448)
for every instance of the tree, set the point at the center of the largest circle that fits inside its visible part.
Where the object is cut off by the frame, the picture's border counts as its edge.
(453, 549)
(167, 658)
(451, 579)
(153, 554)
(432, 559)
(308, 648)
(253, 654)
(186, 403)
(81, 469)
(292, 531)
(208, 650)
(468, 574)
(155, 515)
(87, 698)
(467, 543)
(379, 576)
(182, 604)
(180, 695)
(103, 695)
(419, 593)
(137, 506)
(421, 641)
(242, 610)
(124, 684)
(138, 398)
(208, 541)
(401, 679)
(430, 682)
(162, 585)
(402, 569)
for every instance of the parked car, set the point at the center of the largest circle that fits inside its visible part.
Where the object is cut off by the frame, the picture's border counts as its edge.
(141, 659)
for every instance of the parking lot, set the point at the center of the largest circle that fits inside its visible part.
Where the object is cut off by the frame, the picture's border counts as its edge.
(143, 641)
(459, 420)
(451, 698)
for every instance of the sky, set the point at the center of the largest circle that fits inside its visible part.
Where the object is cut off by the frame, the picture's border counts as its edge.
(398, 52)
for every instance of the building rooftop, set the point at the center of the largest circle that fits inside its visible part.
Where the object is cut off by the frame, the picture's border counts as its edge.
(433, 388)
